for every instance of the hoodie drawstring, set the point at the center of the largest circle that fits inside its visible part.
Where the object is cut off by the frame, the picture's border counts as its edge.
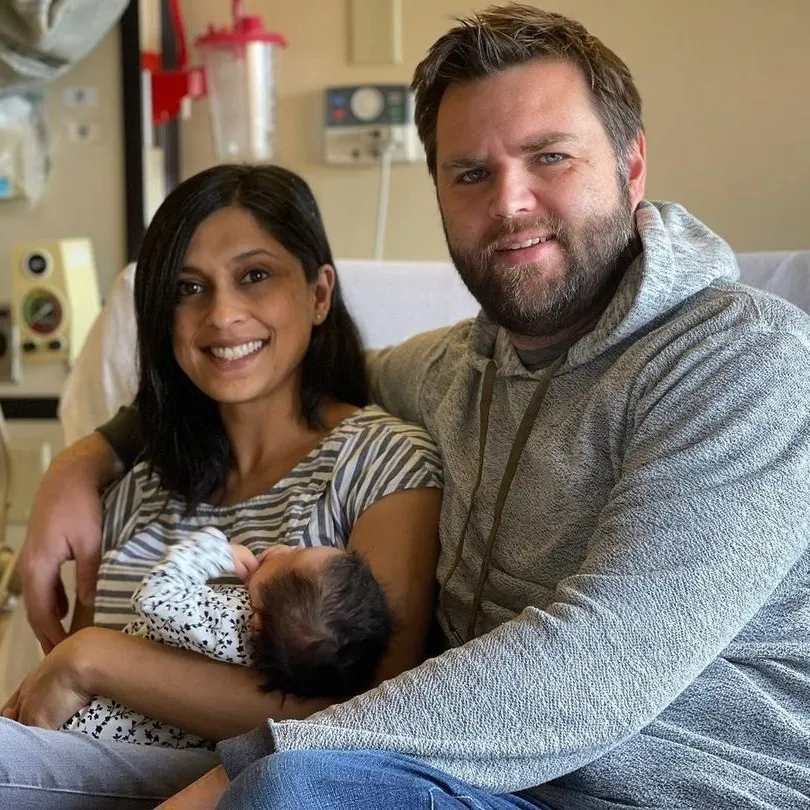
(484, 403)
(519, 443)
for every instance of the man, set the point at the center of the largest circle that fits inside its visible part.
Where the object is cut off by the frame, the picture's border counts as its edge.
(624, 567)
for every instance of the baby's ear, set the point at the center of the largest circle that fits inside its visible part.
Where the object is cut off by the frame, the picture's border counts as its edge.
(255, 621)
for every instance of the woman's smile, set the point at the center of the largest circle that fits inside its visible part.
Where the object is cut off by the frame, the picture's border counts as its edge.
(228, 354)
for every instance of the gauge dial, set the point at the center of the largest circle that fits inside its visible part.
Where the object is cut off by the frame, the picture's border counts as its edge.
(367, 103)
(42, 312)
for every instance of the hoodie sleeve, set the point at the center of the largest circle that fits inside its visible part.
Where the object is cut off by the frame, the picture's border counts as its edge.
(708, 516)
(397, 374)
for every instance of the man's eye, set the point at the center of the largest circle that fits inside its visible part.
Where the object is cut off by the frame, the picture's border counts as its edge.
(550, 158)
(186, 288)
(472, 176)
(255, 275)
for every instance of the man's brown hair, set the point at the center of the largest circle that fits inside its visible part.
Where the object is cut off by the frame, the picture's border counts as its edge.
(500, 37)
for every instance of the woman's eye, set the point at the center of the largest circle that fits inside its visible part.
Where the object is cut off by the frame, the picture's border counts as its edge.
(255, 275)
(186, 288)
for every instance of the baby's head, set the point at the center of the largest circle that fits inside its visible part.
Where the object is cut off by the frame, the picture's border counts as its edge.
(321, 621)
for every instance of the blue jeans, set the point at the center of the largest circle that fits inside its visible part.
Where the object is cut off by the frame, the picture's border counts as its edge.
(360, 780)
(63, 770)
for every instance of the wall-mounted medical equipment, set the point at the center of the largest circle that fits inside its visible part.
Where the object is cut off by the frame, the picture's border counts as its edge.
(372, 125)
(365, 122)
(55, 298)
(238, 75)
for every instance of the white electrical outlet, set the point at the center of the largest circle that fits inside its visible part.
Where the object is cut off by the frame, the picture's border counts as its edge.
(365, 145)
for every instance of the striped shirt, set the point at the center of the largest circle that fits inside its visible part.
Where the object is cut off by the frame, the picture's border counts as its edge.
(366, 457)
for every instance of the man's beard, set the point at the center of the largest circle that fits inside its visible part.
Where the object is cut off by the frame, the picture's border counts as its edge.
(522, 299)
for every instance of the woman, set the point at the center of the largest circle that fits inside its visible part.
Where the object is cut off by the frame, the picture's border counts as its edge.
(253, 401)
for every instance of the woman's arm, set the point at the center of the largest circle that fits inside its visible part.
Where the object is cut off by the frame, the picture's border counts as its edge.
(206, 697)
(399, 538)
(397, 535)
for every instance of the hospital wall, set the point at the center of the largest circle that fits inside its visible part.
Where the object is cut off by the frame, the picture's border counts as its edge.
(726, 89)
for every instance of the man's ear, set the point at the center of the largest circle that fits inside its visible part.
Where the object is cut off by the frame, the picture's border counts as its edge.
(637, 169)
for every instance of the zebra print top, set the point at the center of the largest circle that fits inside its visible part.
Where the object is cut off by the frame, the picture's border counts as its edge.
(368, 456)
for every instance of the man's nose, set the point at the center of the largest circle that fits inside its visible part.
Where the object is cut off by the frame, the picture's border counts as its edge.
(513, 193)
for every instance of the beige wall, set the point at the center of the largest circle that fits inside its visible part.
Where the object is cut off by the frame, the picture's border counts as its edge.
(85, 193)
(726, 85)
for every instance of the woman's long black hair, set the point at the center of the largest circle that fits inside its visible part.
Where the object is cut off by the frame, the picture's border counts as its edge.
(185, 438)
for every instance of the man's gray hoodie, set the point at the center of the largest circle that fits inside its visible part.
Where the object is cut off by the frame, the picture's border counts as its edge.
(631, 625)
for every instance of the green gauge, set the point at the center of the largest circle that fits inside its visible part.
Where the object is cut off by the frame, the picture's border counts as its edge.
(42, 312)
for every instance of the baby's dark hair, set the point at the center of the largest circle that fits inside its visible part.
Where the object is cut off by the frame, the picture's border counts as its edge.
(322, 634)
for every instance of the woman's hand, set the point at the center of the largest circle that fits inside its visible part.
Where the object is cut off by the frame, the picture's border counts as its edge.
(53, 692)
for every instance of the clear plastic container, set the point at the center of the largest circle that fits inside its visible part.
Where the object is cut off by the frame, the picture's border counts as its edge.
(240, 70)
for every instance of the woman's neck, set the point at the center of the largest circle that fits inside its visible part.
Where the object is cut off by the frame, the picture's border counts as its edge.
(268, 439)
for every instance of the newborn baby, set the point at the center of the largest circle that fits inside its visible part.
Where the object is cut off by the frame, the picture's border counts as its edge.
(311, 621)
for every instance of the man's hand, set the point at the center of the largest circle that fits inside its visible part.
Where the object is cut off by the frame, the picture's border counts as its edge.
(65, 524)
(53, 692)
(202, 794)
